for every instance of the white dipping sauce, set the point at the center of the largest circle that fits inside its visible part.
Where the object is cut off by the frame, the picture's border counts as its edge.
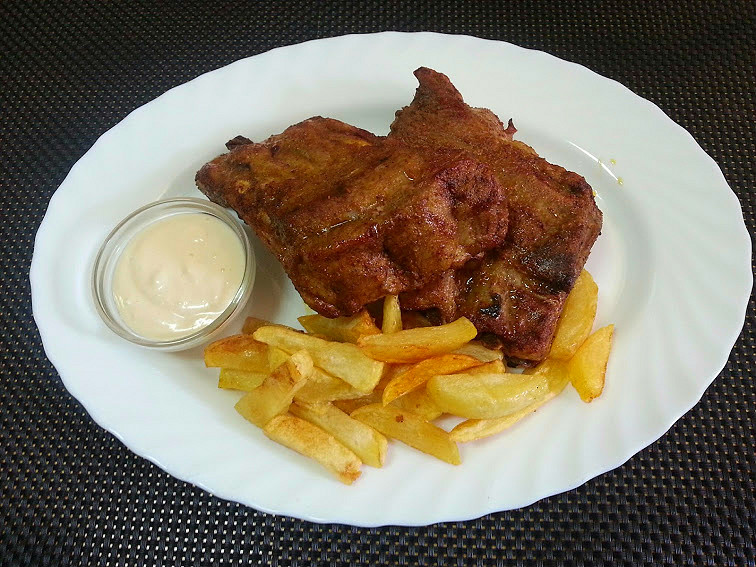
(178, 275)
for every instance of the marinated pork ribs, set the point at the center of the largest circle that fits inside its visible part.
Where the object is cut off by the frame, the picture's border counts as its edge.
(517, 291)
(354, 217)
(447, 210)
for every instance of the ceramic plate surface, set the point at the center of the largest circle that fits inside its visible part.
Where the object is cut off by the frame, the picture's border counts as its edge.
(672, 264)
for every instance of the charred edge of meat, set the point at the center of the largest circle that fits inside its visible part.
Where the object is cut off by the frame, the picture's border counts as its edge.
(494, 309)
(238, 141)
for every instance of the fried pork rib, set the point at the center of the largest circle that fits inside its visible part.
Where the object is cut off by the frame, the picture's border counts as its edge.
(517, 291)
(352, 216)
(447, 210)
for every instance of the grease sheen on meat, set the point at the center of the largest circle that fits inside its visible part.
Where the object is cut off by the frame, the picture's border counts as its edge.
(448, 210)
(517, 291)
(352, 216)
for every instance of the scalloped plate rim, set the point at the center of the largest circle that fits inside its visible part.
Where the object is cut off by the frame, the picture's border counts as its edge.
(103, 420)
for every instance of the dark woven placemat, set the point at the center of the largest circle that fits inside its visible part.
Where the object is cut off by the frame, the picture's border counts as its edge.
(71, 494)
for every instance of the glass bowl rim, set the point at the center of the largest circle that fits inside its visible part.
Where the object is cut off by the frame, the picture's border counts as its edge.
(106, 254)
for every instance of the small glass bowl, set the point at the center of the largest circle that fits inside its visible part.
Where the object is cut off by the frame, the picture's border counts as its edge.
(116, 241)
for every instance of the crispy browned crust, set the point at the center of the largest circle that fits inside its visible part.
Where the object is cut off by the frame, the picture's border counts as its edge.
(517, 291)
(343, 209)
(448, 210)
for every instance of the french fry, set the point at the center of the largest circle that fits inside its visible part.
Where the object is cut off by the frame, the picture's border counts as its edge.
(557, 376)
(420, 403)
(322, 387)
(493, 367)
(343, 360)
(274, 396)
(364, 441)
(412, 345)
(420, 372)
(410, 429)
(341, 329)
(335, 397)
(311, 441)
(231, 379)
(588, 367)
(480, 352)
(417, 401)
(577, 317)
(348, 406)
(240, 352)
(276, 357)
(485, 396)
(390, 371)
(413, 320)
(392, 315)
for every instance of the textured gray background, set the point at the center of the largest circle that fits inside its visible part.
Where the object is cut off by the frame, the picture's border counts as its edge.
(71, 494)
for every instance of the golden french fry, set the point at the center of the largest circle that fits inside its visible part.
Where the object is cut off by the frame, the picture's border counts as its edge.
(342, 329)
(311, 441)
(322, 387)
(276, 357)
(392, 315)
(420, 372)
(577, 317)
(485, 396)
(588, 367)
(348, 406)
(417, 401)
(557, 376)
(390, 371)
(408, 428)
(240, 352)
(343, 360)
(493, 367)
(420, 403)
(231, 379)
(412, 345)
(413, 320)
(275, 394)
(364, 441)
(480, 352)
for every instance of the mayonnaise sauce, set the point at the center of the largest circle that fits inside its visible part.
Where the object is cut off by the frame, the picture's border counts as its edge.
(177, 275)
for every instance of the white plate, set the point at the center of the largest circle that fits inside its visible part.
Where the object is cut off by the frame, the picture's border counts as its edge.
(672, 264)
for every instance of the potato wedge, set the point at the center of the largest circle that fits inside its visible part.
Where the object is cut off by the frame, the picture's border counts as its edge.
(276, 357)
(557, 376)
(577, 317)
(348, 406)
(343, 360)
(322, 387)
(341, 329)
(240, 352)
(413, 345)
(391, 371)
(392, 315)
(485, 396)
(493, 367)
(588, 367)
(420, 372)
(364, 441)
(420, 403)
(311, 441)
(231, 379)
(274, 396)
(477, 350)
(410, 429)
(417, 401)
